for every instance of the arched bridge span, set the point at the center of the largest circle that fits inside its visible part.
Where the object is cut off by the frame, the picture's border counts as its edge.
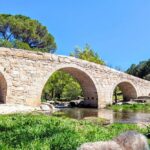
(23, 75)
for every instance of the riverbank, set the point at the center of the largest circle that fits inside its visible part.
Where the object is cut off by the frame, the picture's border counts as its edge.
(20, 108)
(130, 107)
(38, 131)
(16, 108)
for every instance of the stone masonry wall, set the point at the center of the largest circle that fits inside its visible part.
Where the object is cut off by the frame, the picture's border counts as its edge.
(26, 73)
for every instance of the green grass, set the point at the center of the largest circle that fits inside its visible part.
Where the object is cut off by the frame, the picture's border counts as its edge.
(41, 132)
(133, 107)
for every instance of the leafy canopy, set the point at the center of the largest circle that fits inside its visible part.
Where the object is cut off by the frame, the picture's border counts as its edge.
(87, 53)
(23, 32)
(142, 70)
(61, 85)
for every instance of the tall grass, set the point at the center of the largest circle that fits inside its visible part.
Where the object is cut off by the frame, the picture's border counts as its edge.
(41, 132)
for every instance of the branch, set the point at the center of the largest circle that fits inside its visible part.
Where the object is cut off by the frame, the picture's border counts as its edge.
(9, 36)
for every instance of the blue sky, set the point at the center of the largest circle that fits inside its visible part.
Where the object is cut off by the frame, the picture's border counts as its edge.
(118, 30)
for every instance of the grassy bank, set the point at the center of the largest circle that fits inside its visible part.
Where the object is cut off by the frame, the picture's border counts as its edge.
(38, 131)
(133, 107)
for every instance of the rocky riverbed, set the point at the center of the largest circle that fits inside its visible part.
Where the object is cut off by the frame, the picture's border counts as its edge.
(18, 108)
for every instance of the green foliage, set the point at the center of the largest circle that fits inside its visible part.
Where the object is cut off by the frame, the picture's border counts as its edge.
(23, 32)
(133, 107)
(72, 90)
(148, 132)
(87, 53)
(61, 85)
(5, 43)
(21, 45)
(23, 132)
(117, 95)
(141, 70)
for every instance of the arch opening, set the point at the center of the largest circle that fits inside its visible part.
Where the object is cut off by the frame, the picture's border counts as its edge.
(89, 92)
(3, 89)
(124, 91)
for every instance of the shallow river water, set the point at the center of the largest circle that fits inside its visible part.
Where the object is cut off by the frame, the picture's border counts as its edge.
(123, 117)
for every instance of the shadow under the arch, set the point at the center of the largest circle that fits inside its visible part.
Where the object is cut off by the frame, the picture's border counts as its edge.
(126, 90)
(87, 84)
(3, 89)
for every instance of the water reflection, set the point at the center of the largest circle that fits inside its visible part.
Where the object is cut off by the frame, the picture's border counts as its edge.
(124, 117)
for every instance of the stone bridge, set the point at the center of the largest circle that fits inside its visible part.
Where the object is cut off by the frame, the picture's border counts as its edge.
(23, 75)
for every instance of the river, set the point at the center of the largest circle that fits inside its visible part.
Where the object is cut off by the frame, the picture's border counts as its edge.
(122, 117)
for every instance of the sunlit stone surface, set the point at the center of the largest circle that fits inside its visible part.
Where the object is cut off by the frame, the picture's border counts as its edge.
(23, 75)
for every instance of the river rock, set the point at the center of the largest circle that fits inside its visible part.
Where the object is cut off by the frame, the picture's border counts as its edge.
(16, 108)
(51, 102)
(75, 103)
(45, 107)
(126, 141)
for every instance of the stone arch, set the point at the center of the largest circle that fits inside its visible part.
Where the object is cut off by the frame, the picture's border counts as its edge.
(128, 90)
(86, 81)
(3, 89)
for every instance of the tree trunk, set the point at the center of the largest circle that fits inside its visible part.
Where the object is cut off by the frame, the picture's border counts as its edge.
(115, 95)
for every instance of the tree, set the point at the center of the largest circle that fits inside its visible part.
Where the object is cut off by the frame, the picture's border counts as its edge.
(72, 90)
(23, 32)
(147, 77)
(117, 95)
(132, 70)
(61, 85)
(87, 53)
(141, 70)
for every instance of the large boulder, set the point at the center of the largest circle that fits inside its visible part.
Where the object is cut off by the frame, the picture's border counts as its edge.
(126, 141)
